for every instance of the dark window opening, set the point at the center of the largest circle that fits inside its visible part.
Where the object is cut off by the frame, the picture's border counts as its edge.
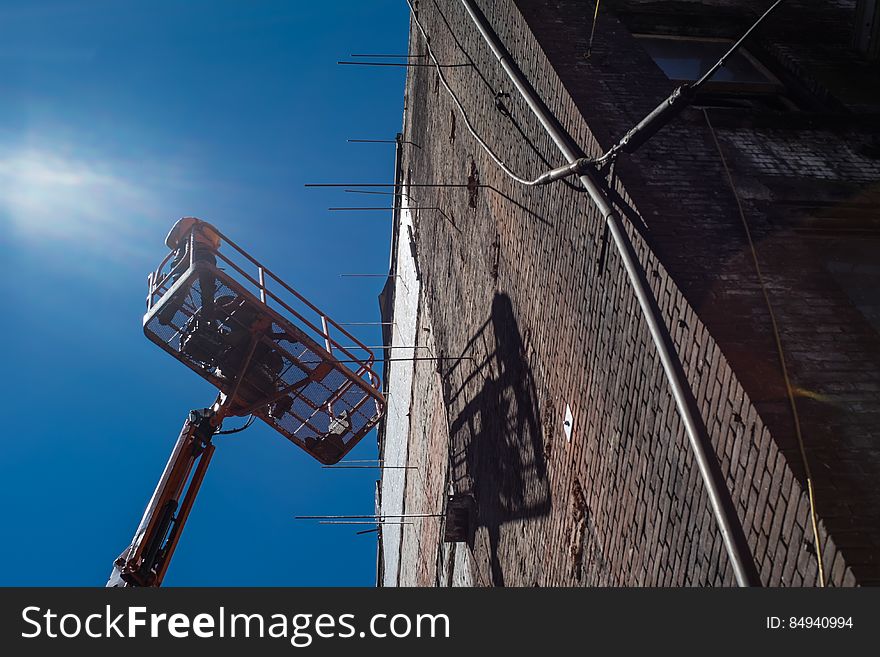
(742, 83)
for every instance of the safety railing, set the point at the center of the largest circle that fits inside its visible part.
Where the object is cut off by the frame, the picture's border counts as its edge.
(319, 326)
(321, 344)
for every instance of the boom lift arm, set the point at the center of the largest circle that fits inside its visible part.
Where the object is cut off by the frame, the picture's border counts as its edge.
(271, 354)
(145, 561)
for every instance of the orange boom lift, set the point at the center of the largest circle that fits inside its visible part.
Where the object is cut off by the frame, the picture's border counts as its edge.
(272, 355)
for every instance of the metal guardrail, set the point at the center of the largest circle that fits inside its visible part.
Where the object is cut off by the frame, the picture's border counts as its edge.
(295, 372)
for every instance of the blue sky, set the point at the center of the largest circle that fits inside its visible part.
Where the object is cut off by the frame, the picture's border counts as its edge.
(117, 118)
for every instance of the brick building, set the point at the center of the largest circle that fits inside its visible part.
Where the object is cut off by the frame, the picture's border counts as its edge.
(519, 295)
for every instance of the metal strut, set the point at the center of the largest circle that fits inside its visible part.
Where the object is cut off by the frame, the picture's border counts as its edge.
(669, 108)
(723, 508)
(681, 97)
(146, 560)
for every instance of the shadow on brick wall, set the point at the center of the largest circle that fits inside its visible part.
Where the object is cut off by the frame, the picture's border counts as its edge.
(496, 441)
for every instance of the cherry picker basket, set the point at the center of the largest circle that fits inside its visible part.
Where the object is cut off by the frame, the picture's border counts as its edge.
(270, 351)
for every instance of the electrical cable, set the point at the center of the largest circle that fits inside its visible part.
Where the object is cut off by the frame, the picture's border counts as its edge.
(540, 180)
(681, 98)
(723, 507)
(699, 83)
(593, 30)
(779, 351)
(247, 424)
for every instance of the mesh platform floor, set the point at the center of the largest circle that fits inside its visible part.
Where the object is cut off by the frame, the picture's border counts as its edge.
(333, 404)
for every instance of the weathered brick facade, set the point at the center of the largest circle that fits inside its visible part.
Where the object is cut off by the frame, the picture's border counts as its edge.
(523, 285)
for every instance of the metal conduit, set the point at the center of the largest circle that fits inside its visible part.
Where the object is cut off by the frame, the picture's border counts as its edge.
(729, 525)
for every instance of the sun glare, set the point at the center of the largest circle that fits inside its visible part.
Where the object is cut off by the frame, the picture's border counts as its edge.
(85, 202)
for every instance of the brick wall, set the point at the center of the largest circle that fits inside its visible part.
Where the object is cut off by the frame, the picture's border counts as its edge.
(524, 287)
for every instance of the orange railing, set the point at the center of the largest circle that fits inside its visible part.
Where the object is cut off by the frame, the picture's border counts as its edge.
(280, 299)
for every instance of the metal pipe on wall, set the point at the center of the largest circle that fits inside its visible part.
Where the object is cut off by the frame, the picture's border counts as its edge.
(720, 498)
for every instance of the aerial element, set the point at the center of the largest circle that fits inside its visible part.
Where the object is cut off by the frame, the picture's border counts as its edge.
(271, 354)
